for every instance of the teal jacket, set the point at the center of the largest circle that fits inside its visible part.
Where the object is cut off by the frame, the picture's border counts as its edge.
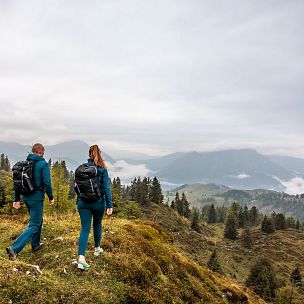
(42, 180)
(103, 178)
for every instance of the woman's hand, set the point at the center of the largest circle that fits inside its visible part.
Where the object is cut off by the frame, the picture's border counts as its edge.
(109, 211)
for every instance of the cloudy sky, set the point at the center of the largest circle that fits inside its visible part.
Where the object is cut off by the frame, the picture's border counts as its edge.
(154, 76)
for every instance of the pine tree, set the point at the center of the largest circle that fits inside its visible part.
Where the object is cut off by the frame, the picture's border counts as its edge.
(138, 191)
(61, 188)
(262, 279)
(253, 216)
(211, 215)
(173, 206)
(132, 189)
(298, 225)
(118, 186)
(204, 212)
(279, 221)
(186, 212)
(66, 173)
(295, 277)
(144, 191)
(231, 226)
(246, 238)
(235, 207)
(195, 220)
(246, 216)
(267, 225)
(156, 195)
(115, 195)
(2, 161)
(241, 218)
(178, 204)
(214, 264)
(7, 166)
(290, 222)
(221, 214)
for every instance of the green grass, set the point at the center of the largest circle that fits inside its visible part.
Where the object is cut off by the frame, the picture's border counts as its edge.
(141, 264)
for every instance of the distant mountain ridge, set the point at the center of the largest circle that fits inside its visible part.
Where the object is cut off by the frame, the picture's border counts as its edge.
(235, 168)
(243, 168)
(72, 152)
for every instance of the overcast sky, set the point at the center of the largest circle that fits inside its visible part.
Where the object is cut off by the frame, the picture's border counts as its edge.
(154, 76)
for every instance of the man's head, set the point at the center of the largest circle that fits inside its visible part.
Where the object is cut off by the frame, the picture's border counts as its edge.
(38, 149)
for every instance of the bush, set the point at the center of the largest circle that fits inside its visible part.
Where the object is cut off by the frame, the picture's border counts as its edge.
(131, 209)
(262, 279)
(246, 238)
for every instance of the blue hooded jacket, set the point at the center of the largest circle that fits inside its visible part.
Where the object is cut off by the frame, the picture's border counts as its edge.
(42, 180)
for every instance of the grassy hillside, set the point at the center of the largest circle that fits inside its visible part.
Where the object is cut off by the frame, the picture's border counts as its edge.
(143, 262)
(284, 249)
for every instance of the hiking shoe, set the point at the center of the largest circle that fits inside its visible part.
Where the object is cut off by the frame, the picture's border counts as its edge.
(98, 252)
(83, 265)
(11, 253)
(34, 249)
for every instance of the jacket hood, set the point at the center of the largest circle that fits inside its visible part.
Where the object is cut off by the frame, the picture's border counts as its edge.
(34, 157)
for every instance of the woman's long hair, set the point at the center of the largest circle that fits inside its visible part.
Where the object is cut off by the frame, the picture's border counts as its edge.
(95, 156)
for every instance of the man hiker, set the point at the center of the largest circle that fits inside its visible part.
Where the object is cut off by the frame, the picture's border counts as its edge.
(31, 179)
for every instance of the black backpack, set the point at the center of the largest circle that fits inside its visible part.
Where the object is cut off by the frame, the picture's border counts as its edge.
(86, 183)
(23, 177)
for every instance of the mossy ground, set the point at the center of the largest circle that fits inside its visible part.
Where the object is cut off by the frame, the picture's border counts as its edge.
(140, 265)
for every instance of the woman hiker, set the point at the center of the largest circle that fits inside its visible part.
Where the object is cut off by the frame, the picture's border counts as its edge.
(92, 206)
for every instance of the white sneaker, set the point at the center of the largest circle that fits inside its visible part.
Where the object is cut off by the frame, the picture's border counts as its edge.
(83, 265)
(98, 252)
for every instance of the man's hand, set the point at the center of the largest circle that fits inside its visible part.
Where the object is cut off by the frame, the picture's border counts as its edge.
(16, 205)
(109, 211)
(51, 202)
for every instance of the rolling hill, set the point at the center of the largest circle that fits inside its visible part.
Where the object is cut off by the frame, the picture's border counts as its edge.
(265, 200)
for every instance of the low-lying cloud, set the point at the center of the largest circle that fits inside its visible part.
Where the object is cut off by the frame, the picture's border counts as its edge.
(241, 176)
(126, 172)
(293, 186)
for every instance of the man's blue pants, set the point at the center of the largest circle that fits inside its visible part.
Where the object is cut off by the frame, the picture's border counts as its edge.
(33, 232)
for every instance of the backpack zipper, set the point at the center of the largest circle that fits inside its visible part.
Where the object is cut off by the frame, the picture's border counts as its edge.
(22, 174)
(92, 186)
